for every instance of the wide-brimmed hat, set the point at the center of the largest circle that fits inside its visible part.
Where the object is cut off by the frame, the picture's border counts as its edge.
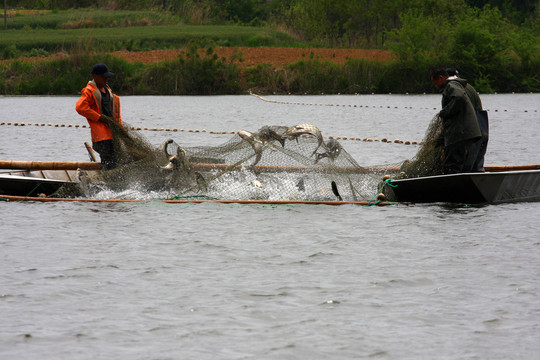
(102, 69)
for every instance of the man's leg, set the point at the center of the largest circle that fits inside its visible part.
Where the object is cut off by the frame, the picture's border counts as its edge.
(472, 156)
(479, 163)
(106, 152)
(455, 156)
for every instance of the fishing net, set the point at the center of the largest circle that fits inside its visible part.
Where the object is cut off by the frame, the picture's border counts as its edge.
(272, 163)
(428, 160)
(140, 165)
(292, 171)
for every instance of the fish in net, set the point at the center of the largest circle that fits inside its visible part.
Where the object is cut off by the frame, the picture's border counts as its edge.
(288, 165)
(272, 163)
(141, 164)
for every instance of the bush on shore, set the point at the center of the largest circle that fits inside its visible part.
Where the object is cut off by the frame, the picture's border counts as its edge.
(192, 74)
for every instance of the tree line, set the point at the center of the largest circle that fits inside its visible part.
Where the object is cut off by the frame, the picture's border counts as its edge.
(330, 23)
(494, 43)
(378, 14)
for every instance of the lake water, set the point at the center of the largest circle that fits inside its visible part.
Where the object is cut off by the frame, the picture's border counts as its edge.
(214, 281)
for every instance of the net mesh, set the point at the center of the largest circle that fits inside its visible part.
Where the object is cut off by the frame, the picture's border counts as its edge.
(289, 172)
(428, 160)
(272, 163)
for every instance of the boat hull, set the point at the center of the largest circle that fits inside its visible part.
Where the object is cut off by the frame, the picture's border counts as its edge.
(468, 188)
(35, 182)
(29, 186)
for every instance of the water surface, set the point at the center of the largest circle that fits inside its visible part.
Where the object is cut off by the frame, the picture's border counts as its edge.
(214, 281)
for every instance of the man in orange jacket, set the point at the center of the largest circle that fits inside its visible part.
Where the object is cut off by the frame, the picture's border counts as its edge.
(99, 105)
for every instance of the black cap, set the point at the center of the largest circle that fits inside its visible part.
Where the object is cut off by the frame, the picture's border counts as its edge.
(452, 72)
(102, 69)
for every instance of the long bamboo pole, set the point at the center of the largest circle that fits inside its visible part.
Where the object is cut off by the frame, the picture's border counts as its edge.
(49, 165)
(512, 168)
(72, 165)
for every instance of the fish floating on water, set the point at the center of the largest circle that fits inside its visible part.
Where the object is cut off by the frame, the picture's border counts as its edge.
(333, 150)
(305, 129)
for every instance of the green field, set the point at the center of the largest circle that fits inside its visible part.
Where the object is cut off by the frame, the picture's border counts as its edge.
(32, 33)
(141, 38)
(70, 19)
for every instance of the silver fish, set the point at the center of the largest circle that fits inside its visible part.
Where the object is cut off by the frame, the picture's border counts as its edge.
(178, 161)
(305, 129)
(266, 134)
(301, 185)
(333, 150)
(82, 175)
(257, 183)
(201, 182)
(256, 144)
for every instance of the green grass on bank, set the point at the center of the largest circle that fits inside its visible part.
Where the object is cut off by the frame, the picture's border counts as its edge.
(139, 38)
(207, 74)
(86, 18)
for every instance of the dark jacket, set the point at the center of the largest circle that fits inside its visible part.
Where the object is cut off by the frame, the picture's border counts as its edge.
(475, 98)
(458, 114)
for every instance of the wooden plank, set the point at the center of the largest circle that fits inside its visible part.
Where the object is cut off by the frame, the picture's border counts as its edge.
(91, 152)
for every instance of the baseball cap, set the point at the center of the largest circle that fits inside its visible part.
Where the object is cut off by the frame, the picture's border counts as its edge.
(102, 69)
(452, 72)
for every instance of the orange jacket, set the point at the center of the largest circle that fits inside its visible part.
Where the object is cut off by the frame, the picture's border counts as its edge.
(89, 106)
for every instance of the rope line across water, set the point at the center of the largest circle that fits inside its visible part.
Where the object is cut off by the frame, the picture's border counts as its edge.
(138, 128)
(358, 106)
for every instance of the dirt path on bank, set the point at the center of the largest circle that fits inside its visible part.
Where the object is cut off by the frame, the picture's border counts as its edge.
(276, 57)
(263, 55)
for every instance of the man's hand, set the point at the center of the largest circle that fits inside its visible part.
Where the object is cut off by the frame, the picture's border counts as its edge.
(106, 119)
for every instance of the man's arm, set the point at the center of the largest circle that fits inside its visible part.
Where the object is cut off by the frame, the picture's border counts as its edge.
(84, 108)
(455, 104)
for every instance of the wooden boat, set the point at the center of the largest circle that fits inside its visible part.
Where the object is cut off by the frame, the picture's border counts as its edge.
(34, 178)
(492, 187)
(24, 185)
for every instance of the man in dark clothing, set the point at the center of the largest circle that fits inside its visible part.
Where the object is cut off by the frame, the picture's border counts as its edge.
(460, 126)
(475, 163)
